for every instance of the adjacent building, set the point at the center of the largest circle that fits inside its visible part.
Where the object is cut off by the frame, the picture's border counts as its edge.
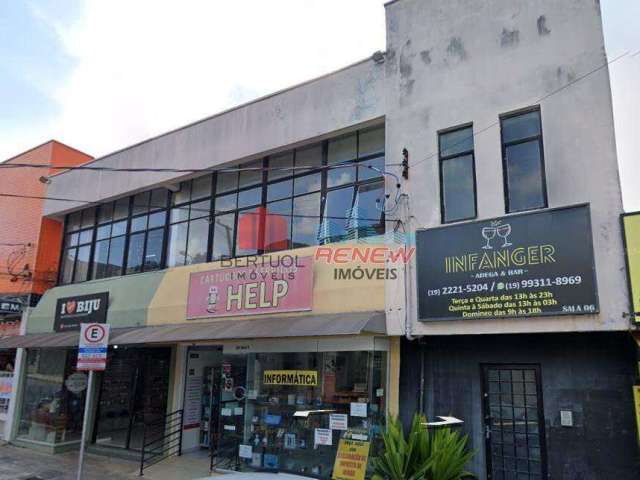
(432, 229)
(29, 247)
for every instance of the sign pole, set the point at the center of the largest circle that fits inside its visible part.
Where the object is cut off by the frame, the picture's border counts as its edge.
(85, 421)
(92, 357)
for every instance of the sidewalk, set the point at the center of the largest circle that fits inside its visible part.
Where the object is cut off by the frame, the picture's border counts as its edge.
(25, 464)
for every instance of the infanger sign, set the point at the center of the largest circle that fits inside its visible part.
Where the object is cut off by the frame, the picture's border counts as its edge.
(524, 265)
(72, 311)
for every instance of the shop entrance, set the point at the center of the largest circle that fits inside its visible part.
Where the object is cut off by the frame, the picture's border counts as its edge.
(133, 391)
(514, 423)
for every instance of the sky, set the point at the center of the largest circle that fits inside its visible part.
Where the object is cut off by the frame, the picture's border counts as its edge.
(102, 75)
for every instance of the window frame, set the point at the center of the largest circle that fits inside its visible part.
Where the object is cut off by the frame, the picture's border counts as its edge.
(442, 159)
(377, 152)
(504, 145)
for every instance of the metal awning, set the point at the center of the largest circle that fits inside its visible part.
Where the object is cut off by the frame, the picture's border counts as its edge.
(288, 327)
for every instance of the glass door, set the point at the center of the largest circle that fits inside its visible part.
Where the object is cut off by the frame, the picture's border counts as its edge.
(133, 391)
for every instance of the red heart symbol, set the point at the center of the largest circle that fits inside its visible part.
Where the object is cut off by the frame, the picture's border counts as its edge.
(71, 306)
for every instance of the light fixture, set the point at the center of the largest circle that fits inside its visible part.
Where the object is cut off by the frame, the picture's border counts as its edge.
(45, 180)
(378, 57)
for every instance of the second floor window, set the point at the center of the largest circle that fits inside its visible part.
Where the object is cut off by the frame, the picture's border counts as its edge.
(457, 175)
(523, 161)
(288, 200)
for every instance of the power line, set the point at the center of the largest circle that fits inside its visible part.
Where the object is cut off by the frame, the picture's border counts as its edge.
(187, 207)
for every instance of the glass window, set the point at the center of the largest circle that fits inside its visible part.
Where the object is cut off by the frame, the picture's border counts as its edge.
(246, 198)
(226, 202)
(68, 261)
(139, 223)
(49, 412)
(342, 149)
(177, 247)
(73, 221)
(105, 213)
(183, 194)
(116, 257)
(278, 225)
(371, 142)
(157, 219)
(200, 209)
(100, 259)
(153, 252)
(82, 264)
(341, 176)
(458, 190)
(248, 232)
(367, 218)
(72, 239)
(85, 236)
(159, 198)
(226, 181)
(337, 211)
(201, 187)
(308, 157)
(121, 209)
(280, 166)
(276, 191)
(223, 235)
(307, 183)
(88, 217)
(119, 228)
(103, 232)
(252, 176)
(198, 241)
(179, 214)
(306, 220)
(136, 251)
(141, 203)
(522, 151)
(457, 175)
(366, 173)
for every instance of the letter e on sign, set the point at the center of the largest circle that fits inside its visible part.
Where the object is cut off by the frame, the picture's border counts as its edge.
(92, 347)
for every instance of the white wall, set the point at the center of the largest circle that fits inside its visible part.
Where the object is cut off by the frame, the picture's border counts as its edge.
(450, 62)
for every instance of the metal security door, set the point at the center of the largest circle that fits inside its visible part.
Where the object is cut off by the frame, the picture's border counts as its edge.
(514, 422)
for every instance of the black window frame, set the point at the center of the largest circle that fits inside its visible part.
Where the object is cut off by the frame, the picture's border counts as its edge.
(505, 145)
(359, 179)
(442, 159)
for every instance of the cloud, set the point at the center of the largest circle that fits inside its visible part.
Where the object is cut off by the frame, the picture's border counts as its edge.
(142, 68)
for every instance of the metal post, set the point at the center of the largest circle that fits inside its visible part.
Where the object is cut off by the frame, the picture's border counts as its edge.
(85, 423)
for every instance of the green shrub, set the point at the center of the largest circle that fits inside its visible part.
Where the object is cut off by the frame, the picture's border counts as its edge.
(423, 455)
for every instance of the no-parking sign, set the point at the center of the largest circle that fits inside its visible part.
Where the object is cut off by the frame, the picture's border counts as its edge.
(92, 347)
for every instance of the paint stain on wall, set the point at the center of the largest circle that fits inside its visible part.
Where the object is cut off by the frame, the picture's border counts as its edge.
(509, 38)
(456, 48)
(542, 26)
(425, 55)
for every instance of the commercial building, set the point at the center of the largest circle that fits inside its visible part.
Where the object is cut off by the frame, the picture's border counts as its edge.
(28, 248)
(262, 294)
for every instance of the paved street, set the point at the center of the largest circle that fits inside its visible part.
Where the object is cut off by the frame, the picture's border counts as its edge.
(25, 464)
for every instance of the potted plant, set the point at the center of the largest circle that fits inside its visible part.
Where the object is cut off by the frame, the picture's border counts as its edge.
(422, 455)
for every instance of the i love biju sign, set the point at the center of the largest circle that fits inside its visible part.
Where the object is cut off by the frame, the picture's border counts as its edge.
(72, 311)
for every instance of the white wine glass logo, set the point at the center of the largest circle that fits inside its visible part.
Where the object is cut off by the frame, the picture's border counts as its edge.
(488, 233)
(503, 232)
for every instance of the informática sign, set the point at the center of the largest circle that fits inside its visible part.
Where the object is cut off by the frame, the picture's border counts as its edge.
(524, 265)
(299, 378)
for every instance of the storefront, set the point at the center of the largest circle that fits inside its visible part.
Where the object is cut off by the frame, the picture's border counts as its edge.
(272, 360)
(11, 307)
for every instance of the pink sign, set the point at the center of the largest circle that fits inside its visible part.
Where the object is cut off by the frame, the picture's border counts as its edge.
(271, 285)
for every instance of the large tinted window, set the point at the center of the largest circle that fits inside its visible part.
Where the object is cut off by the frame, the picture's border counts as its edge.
(320, 193)
(457, 175)
(522, 151)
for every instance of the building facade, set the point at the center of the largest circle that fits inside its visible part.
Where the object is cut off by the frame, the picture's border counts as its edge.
(28, 245)
(433, 229)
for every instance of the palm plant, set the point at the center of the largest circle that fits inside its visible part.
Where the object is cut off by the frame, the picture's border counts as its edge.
(422, 455)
